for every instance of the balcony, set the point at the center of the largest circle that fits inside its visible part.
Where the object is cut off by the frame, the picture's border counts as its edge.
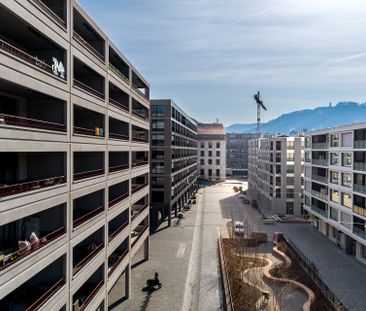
(47, 225)
(319, 146)
(137, 233)
(322, 179)
(88, 164)
(118, 129)
(319, 211)
(87, 249)
(86, 79)
(140, 158)
(359, 227)
(139, 110)
(117, 224)
(360, 139)
(84, 33)
(359, 210)
(359, 188)
(34, 293)
(138, 207)
(88, 122)
(140, 86)
(139, 182)
(320, 195)
(139, 134)
(359, 166)
(319, 142)
(87, 207)
(118, 66)
(118, 161)
(27, 171)
(54, 9)
(117, 257)
(23, 42)
(118, 193)
(119, 98)
(359, 232)
(89, 290)
(320, 162)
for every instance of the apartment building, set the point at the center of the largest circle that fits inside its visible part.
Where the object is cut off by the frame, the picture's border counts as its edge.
(211, 151)
(335, 185)
(173, 160)
(74, 150)
(275, 174)
(237, 153)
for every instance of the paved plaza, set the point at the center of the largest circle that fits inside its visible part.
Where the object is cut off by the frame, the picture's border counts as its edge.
(185, 256)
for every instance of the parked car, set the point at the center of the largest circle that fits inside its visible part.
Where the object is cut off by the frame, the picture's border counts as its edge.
(239, 228)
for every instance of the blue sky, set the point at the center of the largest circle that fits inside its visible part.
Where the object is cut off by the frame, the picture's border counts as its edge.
(211, 56)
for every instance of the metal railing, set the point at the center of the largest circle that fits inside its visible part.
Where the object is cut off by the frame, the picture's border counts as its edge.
(322, 179)
(139, 163)
(117, 262)
(360, 144)
(322, 162)
(139, 236)
(119, 73)
(118, 199)
(92, 49)
(82, 175)
(117, 168)
(359, 188)
(22, 253)
(118, 136)
(359, 166)
(117, 231)
(31, 123)
(118, 104)
(320, 195)
(88, 88)
(77, 222)
(319, 211)
(136, 188)
(226, 280)
(143, 140)
(45, 8)
(87, 258)
(134, 87)
(319, 146)
(86, 131)
(140, 116)
(359, 232)
(6, 190)
(91, 296)
(47, 295)
(134, 215)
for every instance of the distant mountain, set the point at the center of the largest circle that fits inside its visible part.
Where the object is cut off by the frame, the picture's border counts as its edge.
(308, 119)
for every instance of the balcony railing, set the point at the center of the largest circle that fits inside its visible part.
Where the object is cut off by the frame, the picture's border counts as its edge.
(320, 195)
(90, 132)
(319, 146)
(31, 123)
(139, 236)
(319, 211)
(77, 222)
(45, 8)
(87, 258)
(117, 200)
(119, 74)
(322, 179)
(321, 162)
(359, 232)
(47, 295)
(136, 212)
(20, 254)
(91, 296)
(79, 38)
(117, 168)
(136, 188)
(4, 46)
(82, 175)
(117, 262)
(139, 163)
(143, 140)
(117, 231)
(140, 116)
(6, 190)
(87, 88)
(360, 144)
(118, 136)
(359, 210)
(359, 166)
(359, 188)
(118, 104)
(138, 91)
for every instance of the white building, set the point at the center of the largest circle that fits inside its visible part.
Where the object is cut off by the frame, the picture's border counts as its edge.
(74, 169)
(335, 185)
(211, 151)
(275, 174)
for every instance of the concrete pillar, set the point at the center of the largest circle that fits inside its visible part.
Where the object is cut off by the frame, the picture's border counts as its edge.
(128, 281)
(170, 216)
(146, 249)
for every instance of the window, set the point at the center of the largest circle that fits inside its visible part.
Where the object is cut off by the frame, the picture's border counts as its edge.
(347, 200)
(202, 153)
(290, 181)
(334, 195)
(346, 159)
(158, 111)
(290, 194)
(334, 158)
(202, 144)
(210, 161)
(290, 156)
(202, 172)
(157, 168)
(290, 144)
(157, 125)
(289, 208)
(202, 162)
(210, 144)
(334, 140)
(347, 180)
(210, 153)
(278, 157)
(210, 172)
(218, 153)
(363, 251)
(278, 169)
(157, 139)
(217, 161)
(333, 214)
(217, 172)
(278, 145)
(334, 177)
(347, 139)
(157, 155)
(218, 145)
(278, 181)
(278, 193)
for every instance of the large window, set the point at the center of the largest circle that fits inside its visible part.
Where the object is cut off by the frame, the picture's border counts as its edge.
(218, 172)
(334, 195)
(157, 139)
(346, 159)
(202, 144)
(347, 180)
(347, 200)
(158, 111)
(157, 125)
(210, 144)
(334, 140)
(334, 158)
(334, 177)
(202, 153)
(218, 145)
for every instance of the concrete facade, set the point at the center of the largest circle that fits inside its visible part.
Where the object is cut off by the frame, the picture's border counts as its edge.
(275, 174)
(211, 151)
(335, 185)
(74, 150)
(173, 160)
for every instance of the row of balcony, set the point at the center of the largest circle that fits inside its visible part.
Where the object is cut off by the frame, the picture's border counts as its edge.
(33, 47)
(28, 171)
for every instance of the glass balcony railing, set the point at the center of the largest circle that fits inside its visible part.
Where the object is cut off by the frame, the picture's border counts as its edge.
(319, 195)
(360, 144)
(359, 232)
(319, 211)
(321, 162)
(322, 179)
(359, 166)
(359, 210)
(359, 188)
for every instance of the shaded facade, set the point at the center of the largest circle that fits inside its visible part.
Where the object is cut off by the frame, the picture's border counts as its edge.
(173, 160)
(74, 150)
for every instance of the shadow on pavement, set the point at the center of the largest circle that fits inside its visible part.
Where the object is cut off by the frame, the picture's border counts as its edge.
(149, 291)
(117, 303)
(140, 262)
